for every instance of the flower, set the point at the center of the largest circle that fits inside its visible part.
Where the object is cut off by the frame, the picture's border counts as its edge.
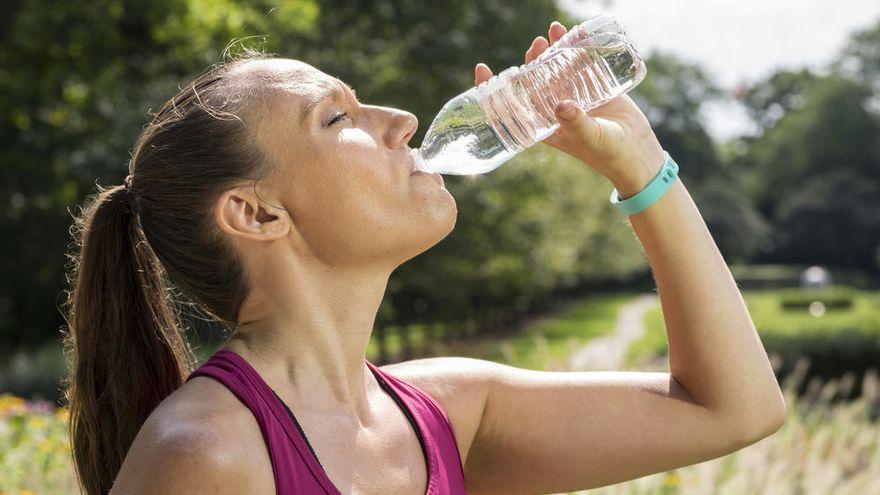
(11, 405)
(62, 413)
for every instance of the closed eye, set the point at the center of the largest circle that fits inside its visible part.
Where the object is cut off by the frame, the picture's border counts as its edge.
(337, 118)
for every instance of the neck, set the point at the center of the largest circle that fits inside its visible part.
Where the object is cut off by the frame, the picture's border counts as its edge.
(306, 330)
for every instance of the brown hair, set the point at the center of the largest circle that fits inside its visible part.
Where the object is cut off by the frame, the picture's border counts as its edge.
(123, 340)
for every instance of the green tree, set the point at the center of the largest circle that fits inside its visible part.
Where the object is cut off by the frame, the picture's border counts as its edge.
(814, 171)
(77, 81)
(672, 96)
(832, 219)
(831, 130)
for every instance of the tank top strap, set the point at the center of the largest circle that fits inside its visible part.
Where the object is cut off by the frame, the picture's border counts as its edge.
(439, 436)
(296, 470)
(295, 466)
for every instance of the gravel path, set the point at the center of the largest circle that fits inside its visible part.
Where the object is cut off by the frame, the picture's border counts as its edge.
(607, 353)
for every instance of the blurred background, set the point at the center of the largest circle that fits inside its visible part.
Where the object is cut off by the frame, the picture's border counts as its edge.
(772, 109)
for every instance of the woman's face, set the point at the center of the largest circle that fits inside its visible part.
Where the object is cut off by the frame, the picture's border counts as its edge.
(342, 169)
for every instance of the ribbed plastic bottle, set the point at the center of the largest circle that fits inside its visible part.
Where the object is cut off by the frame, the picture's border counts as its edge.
(485, 126)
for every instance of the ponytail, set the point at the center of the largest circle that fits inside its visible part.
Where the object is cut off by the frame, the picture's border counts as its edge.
(133, 243)
(125, 349)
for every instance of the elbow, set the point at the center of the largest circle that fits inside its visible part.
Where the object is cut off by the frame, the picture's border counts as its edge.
(777, 412)
(771, 420)
(781, 414)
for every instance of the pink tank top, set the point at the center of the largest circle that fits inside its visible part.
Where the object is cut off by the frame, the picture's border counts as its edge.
(296, 468)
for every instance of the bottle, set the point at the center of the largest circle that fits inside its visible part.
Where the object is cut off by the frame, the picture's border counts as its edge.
(485, 126)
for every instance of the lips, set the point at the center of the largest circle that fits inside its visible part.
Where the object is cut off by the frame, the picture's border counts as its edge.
(414, 171)
(434, 175)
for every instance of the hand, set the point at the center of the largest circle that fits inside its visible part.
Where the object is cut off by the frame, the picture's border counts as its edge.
(615, 138)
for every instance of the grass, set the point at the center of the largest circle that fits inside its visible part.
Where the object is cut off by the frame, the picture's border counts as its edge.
(546, 343)
(768, 315)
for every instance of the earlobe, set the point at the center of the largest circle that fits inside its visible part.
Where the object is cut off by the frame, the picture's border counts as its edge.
(240, 213)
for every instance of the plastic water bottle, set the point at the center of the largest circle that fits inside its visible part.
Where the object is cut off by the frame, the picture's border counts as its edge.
(485, 126)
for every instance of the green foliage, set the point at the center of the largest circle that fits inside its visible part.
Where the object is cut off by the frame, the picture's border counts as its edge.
(831, 219)
(814, 173)
(832, 131)
(77, 81)
(784, 90)
(672, 97)
(541, 343)
(832, 297)
(814, 170)
(861, 57)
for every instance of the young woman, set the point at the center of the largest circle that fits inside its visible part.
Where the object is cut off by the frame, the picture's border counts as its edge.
(278, 202)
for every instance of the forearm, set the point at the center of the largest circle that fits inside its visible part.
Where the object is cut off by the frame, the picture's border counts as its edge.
(714, 349)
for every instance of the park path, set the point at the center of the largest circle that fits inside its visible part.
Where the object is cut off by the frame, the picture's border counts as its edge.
(607, 353)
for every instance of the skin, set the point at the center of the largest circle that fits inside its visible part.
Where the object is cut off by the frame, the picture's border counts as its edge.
(340, 213)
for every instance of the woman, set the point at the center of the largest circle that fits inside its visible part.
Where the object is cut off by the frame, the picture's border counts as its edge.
(280, 204)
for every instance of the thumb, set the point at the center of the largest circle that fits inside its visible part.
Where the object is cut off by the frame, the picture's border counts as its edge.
(573, 118)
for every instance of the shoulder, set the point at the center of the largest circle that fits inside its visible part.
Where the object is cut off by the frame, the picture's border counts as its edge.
(200, 439)
(459, 384)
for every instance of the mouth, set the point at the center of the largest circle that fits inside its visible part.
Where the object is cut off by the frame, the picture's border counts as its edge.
(434, 175)
(415, 171)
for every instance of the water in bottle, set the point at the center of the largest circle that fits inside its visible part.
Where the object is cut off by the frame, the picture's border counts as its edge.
(485, 126)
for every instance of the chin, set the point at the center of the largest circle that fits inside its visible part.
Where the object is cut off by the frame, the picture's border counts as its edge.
(436, 225)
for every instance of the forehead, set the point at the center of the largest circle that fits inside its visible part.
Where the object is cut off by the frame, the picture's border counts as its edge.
(297, 85)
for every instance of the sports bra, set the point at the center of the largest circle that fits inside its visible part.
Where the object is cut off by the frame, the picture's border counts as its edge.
(295, 465)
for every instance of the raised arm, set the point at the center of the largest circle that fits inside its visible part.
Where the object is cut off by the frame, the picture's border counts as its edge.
(544, 432)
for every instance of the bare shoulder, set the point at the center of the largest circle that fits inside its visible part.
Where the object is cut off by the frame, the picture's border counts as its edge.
(459, 384)
(200, 439)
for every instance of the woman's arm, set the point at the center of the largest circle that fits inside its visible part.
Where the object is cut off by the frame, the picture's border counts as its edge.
(714, 349)
(542, 432)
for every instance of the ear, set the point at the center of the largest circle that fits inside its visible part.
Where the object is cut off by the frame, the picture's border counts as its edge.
(239, 212)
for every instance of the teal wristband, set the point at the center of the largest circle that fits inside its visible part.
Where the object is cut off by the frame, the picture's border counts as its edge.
(652, 192)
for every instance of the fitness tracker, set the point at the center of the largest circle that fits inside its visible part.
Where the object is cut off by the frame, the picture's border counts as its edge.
(652, 192)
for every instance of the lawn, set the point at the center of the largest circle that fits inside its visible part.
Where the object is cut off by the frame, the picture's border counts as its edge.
(546, 342)
(780, 327)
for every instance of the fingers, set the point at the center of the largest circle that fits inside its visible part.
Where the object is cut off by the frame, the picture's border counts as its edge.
(575, 120)
(556, 31)
(482, 73)
(539, 44)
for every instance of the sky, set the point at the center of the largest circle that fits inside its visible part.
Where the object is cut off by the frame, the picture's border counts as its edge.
(737, 41)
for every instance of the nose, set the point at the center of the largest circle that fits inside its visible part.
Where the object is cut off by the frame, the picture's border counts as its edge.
(401, 128)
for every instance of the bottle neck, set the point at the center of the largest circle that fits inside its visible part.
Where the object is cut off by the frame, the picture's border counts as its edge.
(419, 160)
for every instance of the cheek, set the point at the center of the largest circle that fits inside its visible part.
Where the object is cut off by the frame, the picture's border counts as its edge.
(353, 137)
(363, 156)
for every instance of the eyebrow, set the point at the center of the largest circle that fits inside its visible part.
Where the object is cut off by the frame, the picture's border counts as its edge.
(332, 93)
